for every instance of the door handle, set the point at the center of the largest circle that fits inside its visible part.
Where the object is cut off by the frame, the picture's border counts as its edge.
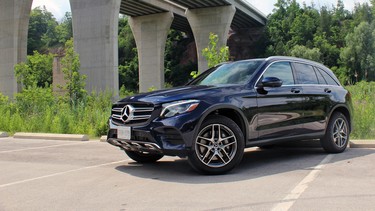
(327, 90)
(295, 90)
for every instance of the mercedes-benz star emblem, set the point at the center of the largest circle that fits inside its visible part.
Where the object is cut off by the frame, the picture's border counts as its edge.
(127, 113)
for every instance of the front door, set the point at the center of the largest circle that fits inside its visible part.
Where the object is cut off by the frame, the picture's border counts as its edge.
(280, 109)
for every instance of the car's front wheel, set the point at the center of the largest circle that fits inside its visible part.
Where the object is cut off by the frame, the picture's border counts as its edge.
(218, 147)
(336, 138)
(141, 157)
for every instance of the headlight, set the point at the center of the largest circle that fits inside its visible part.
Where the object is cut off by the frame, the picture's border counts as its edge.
(178, 107)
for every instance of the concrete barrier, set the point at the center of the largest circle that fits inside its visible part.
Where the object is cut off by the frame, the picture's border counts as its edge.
(51, 136)
(3, 134)
(362, 144)
(103, 139)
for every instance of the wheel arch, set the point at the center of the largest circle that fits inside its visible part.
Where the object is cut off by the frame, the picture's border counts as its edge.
(230, 112)
(345, 111)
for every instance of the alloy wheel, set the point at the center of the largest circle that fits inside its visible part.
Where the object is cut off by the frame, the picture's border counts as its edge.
(216, 145)
(340, 132)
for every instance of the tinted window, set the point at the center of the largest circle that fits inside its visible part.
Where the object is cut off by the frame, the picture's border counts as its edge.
(281, 70)
(320, 77)
(327, 77)
(230, 73)
(305, 74)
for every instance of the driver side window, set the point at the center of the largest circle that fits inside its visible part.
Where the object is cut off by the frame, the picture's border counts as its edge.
(281, 70)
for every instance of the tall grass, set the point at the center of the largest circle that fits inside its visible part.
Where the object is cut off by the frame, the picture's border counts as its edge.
(37, 110)
(363, 95)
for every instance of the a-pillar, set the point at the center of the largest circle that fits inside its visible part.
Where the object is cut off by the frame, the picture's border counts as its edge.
(150, 34)
(95, 32)
(205, 20)
(14, 22)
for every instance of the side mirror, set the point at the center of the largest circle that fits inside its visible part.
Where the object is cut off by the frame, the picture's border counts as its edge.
(271, 82)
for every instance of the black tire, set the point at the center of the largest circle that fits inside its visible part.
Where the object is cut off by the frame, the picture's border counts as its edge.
(143, 157)
(217, 154)
(336, 138)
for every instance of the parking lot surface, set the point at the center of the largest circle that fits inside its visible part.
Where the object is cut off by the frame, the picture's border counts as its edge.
(67, 175)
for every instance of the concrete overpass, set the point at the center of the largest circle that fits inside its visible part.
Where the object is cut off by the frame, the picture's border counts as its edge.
(95, 27)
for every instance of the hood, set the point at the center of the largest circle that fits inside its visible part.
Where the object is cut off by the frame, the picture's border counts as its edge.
(178, 93)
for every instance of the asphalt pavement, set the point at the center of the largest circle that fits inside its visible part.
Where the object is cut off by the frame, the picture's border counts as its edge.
(64, 175)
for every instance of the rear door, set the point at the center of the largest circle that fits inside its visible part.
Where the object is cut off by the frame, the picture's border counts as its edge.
(280, 109)
(317, 93)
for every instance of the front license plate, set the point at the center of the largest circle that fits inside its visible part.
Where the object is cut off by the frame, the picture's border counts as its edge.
(124, 133)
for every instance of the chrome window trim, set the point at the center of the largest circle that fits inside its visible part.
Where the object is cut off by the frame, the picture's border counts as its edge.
(291, 61)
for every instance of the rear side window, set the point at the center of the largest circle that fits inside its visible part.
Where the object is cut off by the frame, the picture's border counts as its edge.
(281, 70)
(328, 78)
(305, 74)
(320, 77)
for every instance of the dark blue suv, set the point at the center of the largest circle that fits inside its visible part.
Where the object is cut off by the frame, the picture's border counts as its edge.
(257, 102)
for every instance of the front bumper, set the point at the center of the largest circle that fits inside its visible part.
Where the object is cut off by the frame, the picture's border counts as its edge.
(161, 136)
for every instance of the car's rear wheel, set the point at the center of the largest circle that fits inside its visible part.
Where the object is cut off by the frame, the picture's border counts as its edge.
(142, 157)
(218, 147)
(336, 138)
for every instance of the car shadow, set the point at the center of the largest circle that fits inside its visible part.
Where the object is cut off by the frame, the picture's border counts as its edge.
(256, 163)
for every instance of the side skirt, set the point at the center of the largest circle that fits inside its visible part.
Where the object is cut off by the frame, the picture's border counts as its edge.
(254, 143)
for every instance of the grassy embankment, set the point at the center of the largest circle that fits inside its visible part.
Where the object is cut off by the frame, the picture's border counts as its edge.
(40, 111)
(363, 95)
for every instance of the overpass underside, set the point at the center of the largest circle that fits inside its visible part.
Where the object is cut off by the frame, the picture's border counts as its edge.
(95, 31)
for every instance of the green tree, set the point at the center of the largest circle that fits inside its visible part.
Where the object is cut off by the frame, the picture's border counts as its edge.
(36, 71)
(64, 30)
(306, 53)
(341, 25)
(303, 27)
(42, 32)
(126, 42)
(75, 82)
(279, 26)
(359, 54)
(325, 22)
(177, 65)
(329, 52)
(362, 13)
(128, 56)
(128, 75)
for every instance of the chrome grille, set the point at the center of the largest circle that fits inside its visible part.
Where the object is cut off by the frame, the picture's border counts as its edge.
(131, 113)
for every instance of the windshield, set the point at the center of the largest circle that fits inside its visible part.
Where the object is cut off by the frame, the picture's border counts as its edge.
(228, 73)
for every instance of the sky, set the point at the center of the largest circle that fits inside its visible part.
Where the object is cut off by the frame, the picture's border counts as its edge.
(266, 6)
(59, 7)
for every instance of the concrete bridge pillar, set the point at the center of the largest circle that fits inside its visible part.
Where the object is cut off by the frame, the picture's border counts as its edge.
(14, 22)
(150, 34)
(95, 32)
(205, 20)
